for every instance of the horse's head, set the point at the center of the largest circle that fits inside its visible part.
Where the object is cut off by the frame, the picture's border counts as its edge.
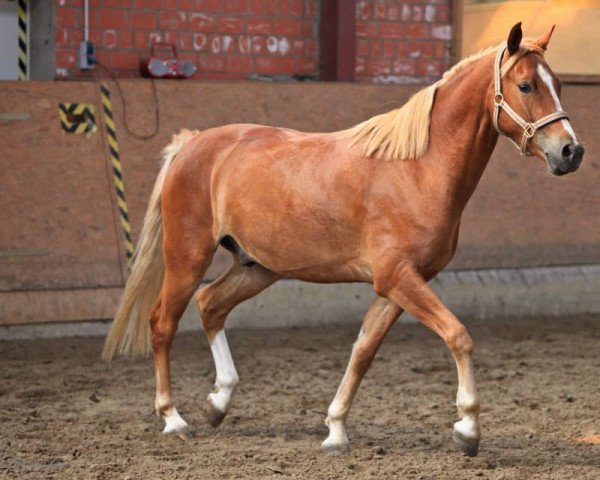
(531, 90)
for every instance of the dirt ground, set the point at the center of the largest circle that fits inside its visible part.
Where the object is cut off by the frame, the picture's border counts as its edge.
(67, 415)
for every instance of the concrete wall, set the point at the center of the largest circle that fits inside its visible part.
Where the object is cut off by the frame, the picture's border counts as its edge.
(60, 232)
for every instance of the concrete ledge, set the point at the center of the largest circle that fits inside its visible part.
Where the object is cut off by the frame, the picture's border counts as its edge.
(498, 293)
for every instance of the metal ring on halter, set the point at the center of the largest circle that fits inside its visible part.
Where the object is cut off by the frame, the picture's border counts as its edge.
(529, 131)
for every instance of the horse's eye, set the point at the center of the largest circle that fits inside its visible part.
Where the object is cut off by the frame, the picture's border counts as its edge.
(525, 88)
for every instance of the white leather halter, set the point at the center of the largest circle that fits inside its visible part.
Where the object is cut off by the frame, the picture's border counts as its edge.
(529, 128)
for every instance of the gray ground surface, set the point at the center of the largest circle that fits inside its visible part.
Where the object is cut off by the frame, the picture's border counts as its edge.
(65, 414)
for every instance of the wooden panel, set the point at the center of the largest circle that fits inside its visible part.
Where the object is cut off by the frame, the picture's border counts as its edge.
(57, 198)
(574, 46)
(57, 224)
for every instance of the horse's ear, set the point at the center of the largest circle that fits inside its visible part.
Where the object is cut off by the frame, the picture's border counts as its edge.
(514, 39)
(544, 40)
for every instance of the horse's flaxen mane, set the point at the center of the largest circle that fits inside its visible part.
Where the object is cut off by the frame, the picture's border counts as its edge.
(403, 133)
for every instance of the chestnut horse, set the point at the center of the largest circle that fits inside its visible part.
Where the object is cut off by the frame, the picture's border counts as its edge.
(380, 202)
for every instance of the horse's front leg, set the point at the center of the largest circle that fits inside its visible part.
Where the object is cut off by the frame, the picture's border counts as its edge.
(406, 287)
(380, 317)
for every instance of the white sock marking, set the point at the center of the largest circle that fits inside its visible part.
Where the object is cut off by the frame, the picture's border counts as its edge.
(174, 422)
(227, 377)
(547, 79)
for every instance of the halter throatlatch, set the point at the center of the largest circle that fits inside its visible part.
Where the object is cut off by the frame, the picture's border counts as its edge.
(529, 129)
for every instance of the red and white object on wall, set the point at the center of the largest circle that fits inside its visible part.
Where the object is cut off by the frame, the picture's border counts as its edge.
(166, 67)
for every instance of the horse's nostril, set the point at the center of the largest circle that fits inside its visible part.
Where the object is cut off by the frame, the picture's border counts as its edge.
(567, 151)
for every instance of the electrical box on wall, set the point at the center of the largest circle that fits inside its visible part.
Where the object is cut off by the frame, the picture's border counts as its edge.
(86, 55)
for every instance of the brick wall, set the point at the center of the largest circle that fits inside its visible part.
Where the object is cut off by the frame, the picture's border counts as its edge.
(404, 42)
(398, 41)
(224, 38)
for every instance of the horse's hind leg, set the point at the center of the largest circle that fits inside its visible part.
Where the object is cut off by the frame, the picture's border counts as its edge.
(379, 318)
(184, 270)
(215, 302)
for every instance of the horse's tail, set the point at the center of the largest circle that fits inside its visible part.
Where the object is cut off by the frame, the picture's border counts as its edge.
(130, 331)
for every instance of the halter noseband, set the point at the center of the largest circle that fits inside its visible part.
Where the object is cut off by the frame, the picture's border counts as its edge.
(529, 129)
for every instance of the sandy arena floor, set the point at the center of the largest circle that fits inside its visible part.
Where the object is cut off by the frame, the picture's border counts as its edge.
(67, 415)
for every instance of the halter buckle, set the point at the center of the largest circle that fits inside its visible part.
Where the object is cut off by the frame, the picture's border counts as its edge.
(529, 130)
(498, 99)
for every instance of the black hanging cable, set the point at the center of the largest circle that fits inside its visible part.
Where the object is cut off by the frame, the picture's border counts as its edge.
(124, 106)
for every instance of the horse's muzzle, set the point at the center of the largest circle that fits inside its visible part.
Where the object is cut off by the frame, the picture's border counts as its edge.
(570, 159)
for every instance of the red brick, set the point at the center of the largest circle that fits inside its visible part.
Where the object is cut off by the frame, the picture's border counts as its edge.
(283, 26)
(187, 5)
(109, 38)
(211, 62)
(140, 40)
(125, 39)
(362, 47)
(61, 37)
(379, 66)
(392, 30)
(67, 17)
(367, 29)
(297, 8)
(172, 38)
(185, 41)
(230, 25)
(118, 3)
(404, 67)
(240, 63)
(298, 47)
(111, 18)
(143, 19)
(440, 49)
(258, 44)
(75, 37)
(312, 48)
(417, 30)
(390, 47)
(376, 48)
(274, 65)
(244, 44)
(360, 65)
(307, 28)
(65, 58)
(365, 10)
(212, 6)
(311, 8)
(125, 60)
(228, 6)
(258, 25)
(307, 65)
(172, 20)
(202, 22)
(242, 6)
(429, 68)
(199, 42)
(393, 12)
(379, 10)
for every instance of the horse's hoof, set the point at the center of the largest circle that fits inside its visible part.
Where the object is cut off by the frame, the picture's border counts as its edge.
(185, 434)
(466, 436)
(468, 445)
(174, 424)
(335, 448)
(213, 415)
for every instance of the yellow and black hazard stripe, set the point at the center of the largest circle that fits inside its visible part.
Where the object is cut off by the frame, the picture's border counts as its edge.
(22, 12)
(77, 117)
(115, 161)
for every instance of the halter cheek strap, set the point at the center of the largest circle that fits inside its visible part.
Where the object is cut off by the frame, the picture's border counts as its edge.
(529, 128)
